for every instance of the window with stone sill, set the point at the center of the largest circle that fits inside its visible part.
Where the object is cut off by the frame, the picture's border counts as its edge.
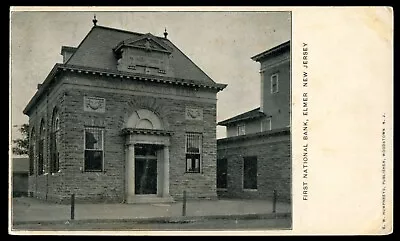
(94, 152)
(193, 148)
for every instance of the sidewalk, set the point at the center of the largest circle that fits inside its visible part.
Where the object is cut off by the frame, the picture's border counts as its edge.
(30, 210)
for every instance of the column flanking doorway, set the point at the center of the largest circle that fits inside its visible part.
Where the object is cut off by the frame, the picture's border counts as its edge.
(146, 158)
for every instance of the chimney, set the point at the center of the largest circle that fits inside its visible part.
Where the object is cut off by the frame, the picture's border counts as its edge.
(67, 52)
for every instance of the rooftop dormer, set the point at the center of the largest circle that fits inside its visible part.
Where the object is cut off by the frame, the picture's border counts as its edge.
(145, 54)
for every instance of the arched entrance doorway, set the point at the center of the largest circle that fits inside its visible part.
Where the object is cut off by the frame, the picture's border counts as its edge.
(147, 158)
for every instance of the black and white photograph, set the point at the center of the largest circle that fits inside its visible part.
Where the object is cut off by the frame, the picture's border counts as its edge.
(143, 120)
(200, 120)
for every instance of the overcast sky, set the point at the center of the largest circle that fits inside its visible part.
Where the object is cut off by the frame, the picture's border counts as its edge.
(220, 43)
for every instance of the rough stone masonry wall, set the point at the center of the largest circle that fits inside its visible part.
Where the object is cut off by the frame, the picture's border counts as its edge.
(47, 186)
(273, 165)
(109, 186)
(197, 185)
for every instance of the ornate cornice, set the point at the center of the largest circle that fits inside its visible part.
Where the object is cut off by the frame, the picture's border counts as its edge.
(136, 76)
(116, 74)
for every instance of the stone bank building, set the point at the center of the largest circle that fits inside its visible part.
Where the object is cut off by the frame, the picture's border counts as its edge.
(127, 117)
(255, 157)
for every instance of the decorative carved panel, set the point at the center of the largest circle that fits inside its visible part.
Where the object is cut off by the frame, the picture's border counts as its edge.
(194, 113)
(145, 55)
(94, 104)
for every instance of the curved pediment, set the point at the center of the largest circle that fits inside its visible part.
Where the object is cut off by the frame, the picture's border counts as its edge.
(144, 119)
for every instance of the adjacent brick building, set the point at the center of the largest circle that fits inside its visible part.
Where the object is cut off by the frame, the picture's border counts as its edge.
(254, 159)
(127, 117)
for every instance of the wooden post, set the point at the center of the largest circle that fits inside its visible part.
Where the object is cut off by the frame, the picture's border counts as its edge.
(274, 202)
(72, 206)
(184, 204)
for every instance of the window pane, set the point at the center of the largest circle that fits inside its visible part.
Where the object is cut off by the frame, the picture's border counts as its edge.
(266, 125)
(188, 163)
(58, 136)
(250, 173)
(241, 130)
(93, 160)
(93, 149)
(192, 162)
(93, 139)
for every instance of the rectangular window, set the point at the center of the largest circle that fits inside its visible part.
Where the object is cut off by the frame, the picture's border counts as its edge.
(241, 129)
(274, 83)
(94, 139)
(193, 152)
(266, 125)
(250, 172)
(222, 173)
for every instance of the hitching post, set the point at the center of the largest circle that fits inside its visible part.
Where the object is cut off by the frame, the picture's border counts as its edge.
(274, 202)
(72, 206)
(184, 204)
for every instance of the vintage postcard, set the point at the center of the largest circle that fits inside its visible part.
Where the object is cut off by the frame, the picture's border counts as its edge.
(201, 120)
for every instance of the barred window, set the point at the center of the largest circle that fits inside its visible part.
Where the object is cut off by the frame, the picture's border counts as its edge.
(193, 152)
(55, 142)
(41, 167)
(94, 140)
